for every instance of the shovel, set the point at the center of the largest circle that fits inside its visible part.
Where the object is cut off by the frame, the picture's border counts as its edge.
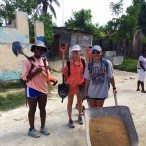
(63, 88)
(17, 48)
(88, 53)
(89, 58)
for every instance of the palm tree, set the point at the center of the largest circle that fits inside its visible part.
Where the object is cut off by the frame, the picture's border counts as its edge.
(48, 3)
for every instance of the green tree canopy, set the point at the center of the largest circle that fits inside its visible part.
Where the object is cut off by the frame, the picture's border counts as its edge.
(82, 20)
(9, 7)
(137, 1)
(125, 26)
(142, 18)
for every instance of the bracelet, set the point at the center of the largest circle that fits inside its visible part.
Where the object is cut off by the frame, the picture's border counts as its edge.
(114, 88)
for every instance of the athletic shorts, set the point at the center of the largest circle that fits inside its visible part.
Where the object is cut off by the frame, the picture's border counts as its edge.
(32, 93)
(98, 98)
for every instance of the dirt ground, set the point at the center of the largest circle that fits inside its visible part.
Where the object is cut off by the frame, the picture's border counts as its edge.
(14, 123)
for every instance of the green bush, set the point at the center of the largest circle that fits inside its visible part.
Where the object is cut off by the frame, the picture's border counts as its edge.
(129, 65)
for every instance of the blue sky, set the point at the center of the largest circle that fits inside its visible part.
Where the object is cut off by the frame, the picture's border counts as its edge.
(99, 9)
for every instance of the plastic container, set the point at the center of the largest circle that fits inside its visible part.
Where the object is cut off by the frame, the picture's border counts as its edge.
(122, 112)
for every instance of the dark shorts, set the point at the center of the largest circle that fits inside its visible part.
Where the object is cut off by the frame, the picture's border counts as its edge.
(32, 93)
(98, 98)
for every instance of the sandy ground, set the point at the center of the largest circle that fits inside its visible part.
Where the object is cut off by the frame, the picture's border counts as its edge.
(14, 123)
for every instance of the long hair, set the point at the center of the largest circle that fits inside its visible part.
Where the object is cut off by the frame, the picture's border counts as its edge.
(92, 62)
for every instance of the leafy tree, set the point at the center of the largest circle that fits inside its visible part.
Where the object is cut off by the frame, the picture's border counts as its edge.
(142, 18)
(116, 8)
(33, 8)
(9, 7)
(125, 26)
(82, 20)
(111, 27)
(138, 1)
(7, 11)
(28, 6)
(130, 21)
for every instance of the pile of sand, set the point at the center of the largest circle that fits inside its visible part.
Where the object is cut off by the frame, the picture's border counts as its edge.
(108, 131)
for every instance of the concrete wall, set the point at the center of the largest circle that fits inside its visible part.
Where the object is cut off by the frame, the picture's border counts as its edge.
(21, 32)
(10, 65)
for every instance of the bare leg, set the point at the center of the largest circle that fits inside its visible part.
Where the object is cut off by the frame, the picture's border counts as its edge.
(96, 103)
(69, 106)
(92, 102)
(142, 86)
(79, 101)
(32, 109)
(138, 85)
(99, 103)
(42, 100)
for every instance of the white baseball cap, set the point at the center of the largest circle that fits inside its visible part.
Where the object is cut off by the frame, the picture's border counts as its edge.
(76, 48)
(96, 47)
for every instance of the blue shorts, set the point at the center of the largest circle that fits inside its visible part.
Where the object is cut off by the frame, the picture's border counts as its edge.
(32, 93)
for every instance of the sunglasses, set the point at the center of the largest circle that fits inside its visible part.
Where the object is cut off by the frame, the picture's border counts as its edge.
(95, 52)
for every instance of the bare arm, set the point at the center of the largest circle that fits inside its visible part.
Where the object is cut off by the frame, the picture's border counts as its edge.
(31, 75)
(112, 81)
(86, 87)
